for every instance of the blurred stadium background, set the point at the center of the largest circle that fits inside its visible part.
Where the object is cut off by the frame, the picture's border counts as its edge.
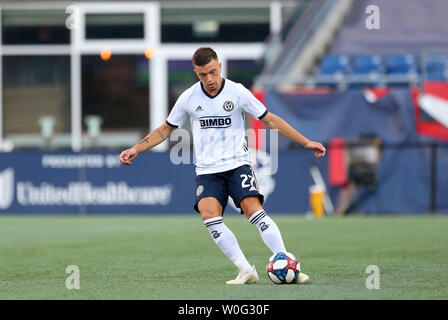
(81, 80)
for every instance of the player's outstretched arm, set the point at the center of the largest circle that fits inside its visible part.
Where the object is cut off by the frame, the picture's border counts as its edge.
(273, 121)
(151, 140)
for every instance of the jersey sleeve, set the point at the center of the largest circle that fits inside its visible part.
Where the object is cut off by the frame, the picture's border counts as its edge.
(252, 105)
(178, 114)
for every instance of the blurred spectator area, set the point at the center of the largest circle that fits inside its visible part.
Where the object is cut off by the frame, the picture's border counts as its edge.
(82, 75)
(105, 74)
(405, 69)
(329, 45)
(409, 48)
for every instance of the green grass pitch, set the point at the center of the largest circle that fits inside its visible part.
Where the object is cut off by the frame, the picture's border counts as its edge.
(173, 257)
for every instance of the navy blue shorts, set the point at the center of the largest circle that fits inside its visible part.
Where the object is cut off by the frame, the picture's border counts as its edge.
(237, 183)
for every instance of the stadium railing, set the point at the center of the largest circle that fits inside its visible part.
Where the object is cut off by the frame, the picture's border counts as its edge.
(282, 49)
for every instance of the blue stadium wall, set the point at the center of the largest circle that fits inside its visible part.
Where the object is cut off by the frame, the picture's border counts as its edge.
(35, 182)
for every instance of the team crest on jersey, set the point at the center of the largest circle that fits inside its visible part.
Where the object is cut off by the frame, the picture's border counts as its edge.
(228, 106)
(199, 190)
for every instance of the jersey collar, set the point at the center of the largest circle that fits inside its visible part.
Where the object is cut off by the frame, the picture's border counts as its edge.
(219, 91)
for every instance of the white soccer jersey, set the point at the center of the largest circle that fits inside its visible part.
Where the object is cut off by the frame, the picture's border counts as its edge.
(217, 124)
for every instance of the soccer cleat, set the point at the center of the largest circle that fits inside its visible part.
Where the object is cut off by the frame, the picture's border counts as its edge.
(245, 277)
(303, 278)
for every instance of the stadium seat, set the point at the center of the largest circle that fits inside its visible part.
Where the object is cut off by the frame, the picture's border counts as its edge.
(368, 64)
(367, 70)
(435, 72)
(332, 70)
(402, 64)
(402, 70)
(436, 65)
(335, 64)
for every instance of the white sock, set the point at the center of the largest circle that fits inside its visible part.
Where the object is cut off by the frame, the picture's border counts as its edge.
(268, 230)
(226, 241)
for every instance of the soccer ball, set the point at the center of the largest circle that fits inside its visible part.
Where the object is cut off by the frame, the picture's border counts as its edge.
(283, 268)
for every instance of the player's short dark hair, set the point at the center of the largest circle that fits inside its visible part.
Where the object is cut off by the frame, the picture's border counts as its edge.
(204, 55)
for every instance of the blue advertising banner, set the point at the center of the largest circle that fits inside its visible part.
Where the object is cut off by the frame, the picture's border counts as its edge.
(93, 183)
(97, 183)
(78, 183)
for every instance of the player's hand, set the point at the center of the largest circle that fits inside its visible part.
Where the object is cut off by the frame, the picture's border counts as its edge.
(127, 156)
(318, 148)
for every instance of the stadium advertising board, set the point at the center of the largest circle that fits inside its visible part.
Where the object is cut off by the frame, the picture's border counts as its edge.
(78, 183)
(90, 183)
(97, 183)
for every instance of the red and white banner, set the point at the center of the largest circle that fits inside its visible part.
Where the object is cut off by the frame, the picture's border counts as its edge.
(434, 101)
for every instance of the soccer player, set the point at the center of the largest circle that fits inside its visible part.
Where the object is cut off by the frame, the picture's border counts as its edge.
(216, 108)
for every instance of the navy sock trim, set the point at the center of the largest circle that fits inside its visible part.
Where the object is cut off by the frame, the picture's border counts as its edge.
(258, 217)
(211, 223)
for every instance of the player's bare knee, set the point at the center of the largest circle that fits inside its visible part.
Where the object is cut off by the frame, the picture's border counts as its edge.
(208, 214)
(209, 208)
